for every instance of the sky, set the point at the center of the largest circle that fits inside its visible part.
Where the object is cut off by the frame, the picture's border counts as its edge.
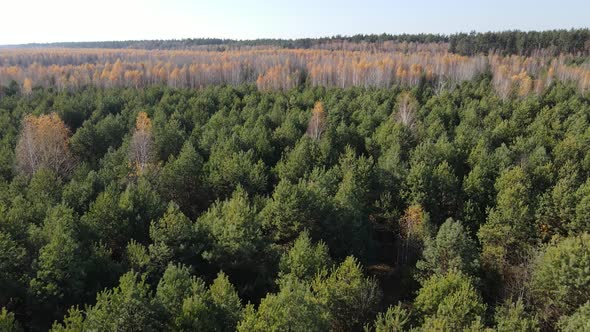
(42, 21)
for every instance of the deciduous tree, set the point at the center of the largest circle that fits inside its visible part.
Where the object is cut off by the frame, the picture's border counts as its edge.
(141, 147)
(317, 123)
(43, 143)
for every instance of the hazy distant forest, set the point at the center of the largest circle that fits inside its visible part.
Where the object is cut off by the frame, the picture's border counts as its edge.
(372, 183)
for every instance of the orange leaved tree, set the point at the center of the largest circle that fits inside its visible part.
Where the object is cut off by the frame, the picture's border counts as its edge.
(44, 143)
(317, 123)
(141, 147)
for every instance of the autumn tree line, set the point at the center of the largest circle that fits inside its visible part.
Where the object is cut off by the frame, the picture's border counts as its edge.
(275, 69)
(70, 69)
(234, 208)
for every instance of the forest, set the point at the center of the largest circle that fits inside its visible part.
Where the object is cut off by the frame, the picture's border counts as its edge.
(343, 188)
(513, 42)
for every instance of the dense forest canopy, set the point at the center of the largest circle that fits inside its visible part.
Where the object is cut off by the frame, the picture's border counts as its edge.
(232, 208)
(308, 189)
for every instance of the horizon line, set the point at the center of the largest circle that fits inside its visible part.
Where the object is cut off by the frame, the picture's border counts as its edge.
(335, 36)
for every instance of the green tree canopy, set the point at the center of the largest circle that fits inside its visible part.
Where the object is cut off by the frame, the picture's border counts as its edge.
(560, 282)
(449, 302)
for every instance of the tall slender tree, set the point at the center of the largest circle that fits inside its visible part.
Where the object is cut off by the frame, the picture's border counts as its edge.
(141, 147)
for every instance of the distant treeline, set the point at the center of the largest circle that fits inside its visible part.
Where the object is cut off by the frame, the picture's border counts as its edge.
(551, 42)
(222, 44)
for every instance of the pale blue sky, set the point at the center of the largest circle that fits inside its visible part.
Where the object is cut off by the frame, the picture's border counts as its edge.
(25, 21)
